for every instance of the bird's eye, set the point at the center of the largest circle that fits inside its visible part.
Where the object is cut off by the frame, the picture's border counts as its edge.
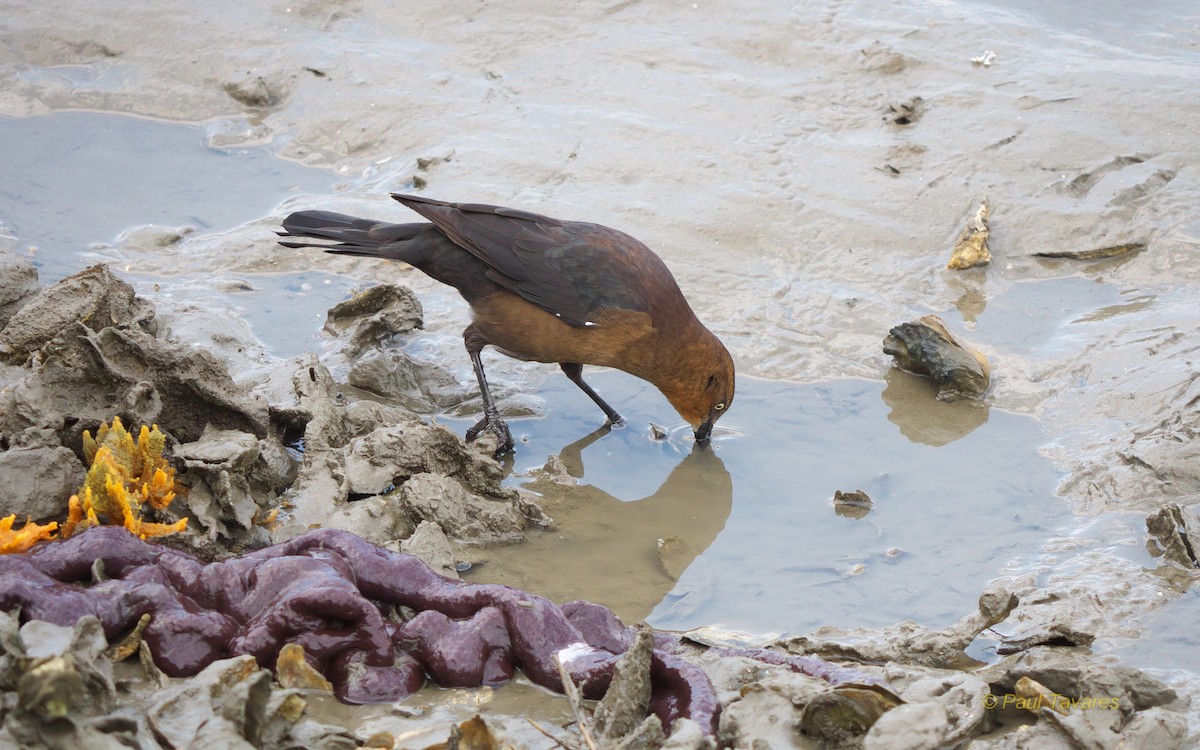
(720, 406)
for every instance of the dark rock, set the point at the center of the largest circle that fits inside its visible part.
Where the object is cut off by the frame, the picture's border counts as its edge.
(925, 347)
(856, 504)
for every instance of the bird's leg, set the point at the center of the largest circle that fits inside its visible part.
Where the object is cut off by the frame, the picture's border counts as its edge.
(491, 418)
(574, 371)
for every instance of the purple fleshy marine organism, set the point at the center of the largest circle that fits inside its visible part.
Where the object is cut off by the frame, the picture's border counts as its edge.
(328, 591)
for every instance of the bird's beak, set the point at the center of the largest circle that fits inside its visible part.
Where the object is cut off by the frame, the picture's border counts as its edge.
(704, 431)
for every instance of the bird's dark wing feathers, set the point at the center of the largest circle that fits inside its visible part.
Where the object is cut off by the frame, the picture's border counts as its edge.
(568, 268)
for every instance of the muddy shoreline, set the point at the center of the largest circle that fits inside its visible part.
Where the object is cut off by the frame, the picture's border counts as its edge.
(803, 171)
(384, 475)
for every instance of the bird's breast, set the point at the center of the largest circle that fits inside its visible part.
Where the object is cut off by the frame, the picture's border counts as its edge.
(519, 328)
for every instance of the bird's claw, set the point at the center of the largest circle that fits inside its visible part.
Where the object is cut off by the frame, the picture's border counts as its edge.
(495, 425)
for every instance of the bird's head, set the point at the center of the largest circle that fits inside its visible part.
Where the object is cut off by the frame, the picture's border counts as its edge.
(702, 391)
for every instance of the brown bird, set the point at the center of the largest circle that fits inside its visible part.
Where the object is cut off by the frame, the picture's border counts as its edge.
(547, 290)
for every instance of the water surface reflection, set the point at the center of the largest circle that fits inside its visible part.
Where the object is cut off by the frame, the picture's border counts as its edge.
(951, 507)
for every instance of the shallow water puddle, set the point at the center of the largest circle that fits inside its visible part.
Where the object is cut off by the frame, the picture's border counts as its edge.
(1147, 27)
(421, 720)
(1170, 639)
(72, 179)
(285, 311)
(957, 492)
(1034, 318)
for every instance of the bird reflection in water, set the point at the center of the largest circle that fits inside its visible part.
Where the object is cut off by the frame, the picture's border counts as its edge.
(625, 555)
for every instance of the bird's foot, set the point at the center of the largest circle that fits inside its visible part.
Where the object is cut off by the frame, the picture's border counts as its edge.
(495, 425)
(617, 423)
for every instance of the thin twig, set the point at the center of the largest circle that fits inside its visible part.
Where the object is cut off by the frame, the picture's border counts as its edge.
(552, 738)
(572, 694)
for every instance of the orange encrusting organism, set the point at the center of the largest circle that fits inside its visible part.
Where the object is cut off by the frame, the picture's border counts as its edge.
(25, 537)
(123, 475)
(139, 465)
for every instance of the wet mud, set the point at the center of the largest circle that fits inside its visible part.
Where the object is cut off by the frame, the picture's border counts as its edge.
(803, 171)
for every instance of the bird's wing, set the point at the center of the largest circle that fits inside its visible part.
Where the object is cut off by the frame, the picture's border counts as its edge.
(568, 268)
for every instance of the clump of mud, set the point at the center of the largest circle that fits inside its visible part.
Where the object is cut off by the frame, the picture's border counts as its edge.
(935, 695)
(262, 463)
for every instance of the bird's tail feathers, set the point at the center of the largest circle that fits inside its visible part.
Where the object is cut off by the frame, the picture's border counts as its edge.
(353, 236)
